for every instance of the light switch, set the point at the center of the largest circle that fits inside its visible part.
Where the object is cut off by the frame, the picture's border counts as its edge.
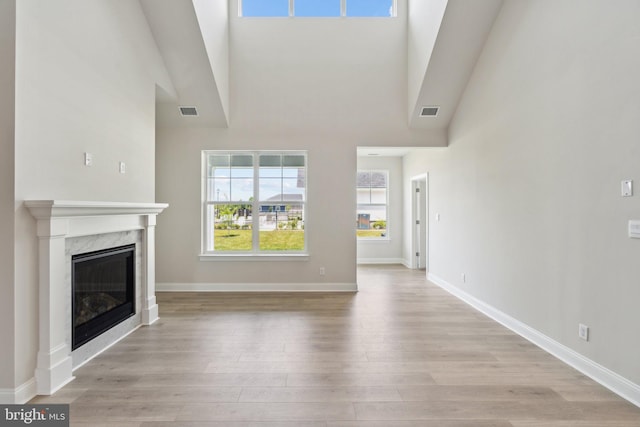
(627, 188)
(634, 228)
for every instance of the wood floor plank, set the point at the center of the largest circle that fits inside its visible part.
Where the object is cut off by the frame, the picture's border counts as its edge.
(267, 412)
(235, 424)
(358, 379)
(319, 394)
(124, 411)
(474, 393)
(212, 380)
(434, 423)
(169, 394)
(399, 353)
(487, 410)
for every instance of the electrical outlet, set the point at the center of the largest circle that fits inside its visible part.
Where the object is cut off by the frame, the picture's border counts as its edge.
(322, 271)
(88, 159)
(583, 332)
(122, 167)
(464, 278)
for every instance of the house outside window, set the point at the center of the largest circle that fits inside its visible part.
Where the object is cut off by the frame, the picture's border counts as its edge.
(373, 198)
(254, 202)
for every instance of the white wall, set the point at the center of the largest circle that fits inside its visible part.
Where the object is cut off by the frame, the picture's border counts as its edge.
(327, 100)
(425, 18)
(529, 188)
(385, 251)
(213, 19)
(178, 231)
(7, 122)
(318, 75)
(82, 84)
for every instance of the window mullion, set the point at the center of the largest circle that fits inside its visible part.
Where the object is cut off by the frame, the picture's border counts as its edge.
(343, 8)
(208, 229)
(255, 206)
(292, 9)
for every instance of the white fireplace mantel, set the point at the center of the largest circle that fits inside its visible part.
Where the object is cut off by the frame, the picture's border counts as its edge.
(58, 220)
(46, 209)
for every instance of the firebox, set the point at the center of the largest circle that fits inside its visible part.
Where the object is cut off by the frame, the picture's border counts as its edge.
(103, 291)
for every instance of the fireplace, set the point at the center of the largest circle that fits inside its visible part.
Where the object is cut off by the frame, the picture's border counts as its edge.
(102, 291)
(66, 228)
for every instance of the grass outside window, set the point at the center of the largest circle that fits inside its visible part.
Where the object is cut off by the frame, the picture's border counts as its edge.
(277, 240)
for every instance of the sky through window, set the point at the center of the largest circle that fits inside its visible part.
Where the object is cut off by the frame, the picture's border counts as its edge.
(317, 8)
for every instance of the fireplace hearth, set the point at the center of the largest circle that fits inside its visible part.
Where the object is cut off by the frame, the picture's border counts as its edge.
(103, 291)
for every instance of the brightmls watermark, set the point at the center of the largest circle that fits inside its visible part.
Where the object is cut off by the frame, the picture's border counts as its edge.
(34, 415)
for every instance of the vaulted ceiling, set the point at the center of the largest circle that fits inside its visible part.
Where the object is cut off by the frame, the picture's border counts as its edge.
(315, 72)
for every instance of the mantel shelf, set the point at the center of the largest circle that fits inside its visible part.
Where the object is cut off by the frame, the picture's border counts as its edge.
(45, 209)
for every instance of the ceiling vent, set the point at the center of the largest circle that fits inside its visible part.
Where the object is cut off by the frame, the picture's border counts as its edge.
(429, 111)
(188, 111)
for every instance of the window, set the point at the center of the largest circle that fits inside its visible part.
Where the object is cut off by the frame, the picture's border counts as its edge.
(363, 8)
(254, 202)
(323, 8)
(317, 8)
(373, 195)
(265, 8)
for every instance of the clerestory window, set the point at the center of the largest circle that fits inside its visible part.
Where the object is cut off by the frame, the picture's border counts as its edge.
(317, 8)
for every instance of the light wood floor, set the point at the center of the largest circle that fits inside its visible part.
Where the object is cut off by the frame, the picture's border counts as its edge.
(401, 352)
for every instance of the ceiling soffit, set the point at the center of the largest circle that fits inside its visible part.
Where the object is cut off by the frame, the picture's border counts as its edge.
(450, 59)
(179, 34)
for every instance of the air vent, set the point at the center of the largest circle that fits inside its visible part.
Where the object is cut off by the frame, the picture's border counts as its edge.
(189, 111)
(429, 111)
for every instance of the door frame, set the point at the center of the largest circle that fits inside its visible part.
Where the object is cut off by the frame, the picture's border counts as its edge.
(420, 212)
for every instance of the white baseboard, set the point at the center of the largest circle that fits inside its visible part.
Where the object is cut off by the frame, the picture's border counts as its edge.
(256, 287)
(19, 395)
(611, 380)
(380, 261)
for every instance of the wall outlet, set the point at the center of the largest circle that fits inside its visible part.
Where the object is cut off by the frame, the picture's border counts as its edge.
(122, 167)
(627, 188)
(583, 332)
(88, 159)
(322, 271)
(437, 217)
(464, 278)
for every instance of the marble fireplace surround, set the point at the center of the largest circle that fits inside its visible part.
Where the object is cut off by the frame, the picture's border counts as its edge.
(61, 221)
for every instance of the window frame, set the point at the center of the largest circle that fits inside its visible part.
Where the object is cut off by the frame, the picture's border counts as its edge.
(387, 235)
(207, 226)
(343, 12)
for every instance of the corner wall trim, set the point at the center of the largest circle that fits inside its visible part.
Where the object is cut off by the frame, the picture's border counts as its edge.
(609, 379)
(256, 287)
(20, 395)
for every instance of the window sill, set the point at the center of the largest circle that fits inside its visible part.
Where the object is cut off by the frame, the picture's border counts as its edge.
(254, 257)
(365, 240)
